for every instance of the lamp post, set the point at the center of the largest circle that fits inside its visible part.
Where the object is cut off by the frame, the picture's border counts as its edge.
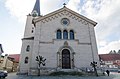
(40, 60)
(94, 64)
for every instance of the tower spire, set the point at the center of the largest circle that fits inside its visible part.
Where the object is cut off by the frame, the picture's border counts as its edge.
(36, 8)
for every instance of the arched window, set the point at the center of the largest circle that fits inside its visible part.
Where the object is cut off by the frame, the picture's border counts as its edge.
(65, 34)
(28, 48)
(26, 60)
(59, 34)
(72, 34)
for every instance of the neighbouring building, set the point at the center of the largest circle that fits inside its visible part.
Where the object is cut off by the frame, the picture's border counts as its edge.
(1, 49)
(1, 57)
(10, 62)
(110, 61)
(65, 38)
(1, 61)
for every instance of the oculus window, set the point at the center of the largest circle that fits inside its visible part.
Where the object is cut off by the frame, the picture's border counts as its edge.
(65, 21)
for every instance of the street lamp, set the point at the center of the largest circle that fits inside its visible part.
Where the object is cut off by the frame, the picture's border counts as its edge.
(94, 64)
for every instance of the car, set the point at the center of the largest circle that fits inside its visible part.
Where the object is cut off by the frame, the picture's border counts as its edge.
(119, 71)
(3, 74)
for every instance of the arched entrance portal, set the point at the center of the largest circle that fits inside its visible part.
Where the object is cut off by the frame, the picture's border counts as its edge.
(66, 59)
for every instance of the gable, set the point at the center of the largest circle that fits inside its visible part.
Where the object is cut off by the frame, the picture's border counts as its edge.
(66, 12)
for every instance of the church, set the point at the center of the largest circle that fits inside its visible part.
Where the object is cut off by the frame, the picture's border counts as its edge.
(64, 38)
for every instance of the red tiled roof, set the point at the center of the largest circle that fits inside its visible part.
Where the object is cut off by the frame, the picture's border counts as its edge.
(15, 56)
(109, 57)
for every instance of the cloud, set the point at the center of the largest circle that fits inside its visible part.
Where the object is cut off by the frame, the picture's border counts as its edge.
(115, 45)
(105, 12)
(48, 6)
(74, 5)
(21, 8)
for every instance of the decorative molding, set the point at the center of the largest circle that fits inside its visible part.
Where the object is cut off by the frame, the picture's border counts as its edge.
(68, 12)
(65, 12)
(65, 43)
(29, 38)
(46, 42)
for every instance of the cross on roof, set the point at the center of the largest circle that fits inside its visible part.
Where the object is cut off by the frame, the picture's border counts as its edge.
(64, 4)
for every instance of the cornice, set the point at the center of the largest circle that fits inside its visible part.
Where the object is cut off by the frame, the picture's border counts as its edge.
(29, 38)
(76, 40)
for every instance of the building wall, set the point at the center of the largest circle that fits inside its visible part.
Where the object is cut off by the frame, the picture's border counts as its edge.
(1, 62)
(29, 27)
(25, 67)
(45, 43)
(8, 65)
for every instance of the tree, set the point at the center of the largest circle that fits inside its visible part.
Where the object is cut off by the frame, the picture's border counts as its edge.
(118, 51)
(111, 52)
(94, 65)
(40, 60)
(114, 52)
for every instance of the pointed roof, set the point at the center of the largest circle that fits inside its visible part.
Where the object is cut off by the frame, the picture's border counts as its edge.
(109, 57)
(68, 10)
(37, 7)
(15, 56)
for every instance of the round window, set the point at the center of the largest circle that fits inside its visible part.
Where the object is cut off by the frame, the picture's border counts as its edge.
(65, 21)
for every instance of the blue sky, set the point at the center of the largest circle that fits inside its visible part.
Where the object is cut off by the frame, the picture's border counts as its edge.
(105, 12)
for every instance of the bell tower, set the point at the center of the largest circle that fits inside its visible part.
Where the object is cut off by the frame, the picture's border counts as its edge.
(36, 9)
(29, 27)
(27, 41)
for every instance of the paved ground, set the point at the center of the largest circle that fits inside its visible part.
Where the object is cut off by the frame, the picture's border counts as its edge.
(14, 76)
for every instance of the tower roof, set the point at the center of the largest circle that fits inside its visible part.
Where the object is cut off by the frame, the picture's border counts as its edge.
(37, 7)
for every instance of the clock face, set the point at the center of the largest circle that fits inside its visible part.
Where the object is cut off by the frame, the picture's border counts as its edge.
(65, 21)
(34, 14)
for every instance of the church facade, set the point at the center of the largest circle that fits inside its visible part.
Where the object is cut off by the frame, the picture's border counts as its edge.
(64, 38)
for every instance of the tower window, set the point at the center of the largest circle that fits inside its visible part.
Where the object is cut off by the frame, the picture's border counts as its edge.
(28, 48)
(32, 31)
(59, 34)
(26, 60)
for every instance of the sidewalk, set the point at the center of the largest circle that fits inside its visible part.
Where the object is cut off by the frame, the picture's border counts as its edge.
(14, 76)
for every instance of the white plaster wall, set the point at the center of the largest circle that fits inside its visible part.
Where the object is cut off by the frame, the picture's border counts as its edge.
(48, 29)
(46, 34)
(28, 27)
(94, 44)
(46, 44)
(24, 67)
